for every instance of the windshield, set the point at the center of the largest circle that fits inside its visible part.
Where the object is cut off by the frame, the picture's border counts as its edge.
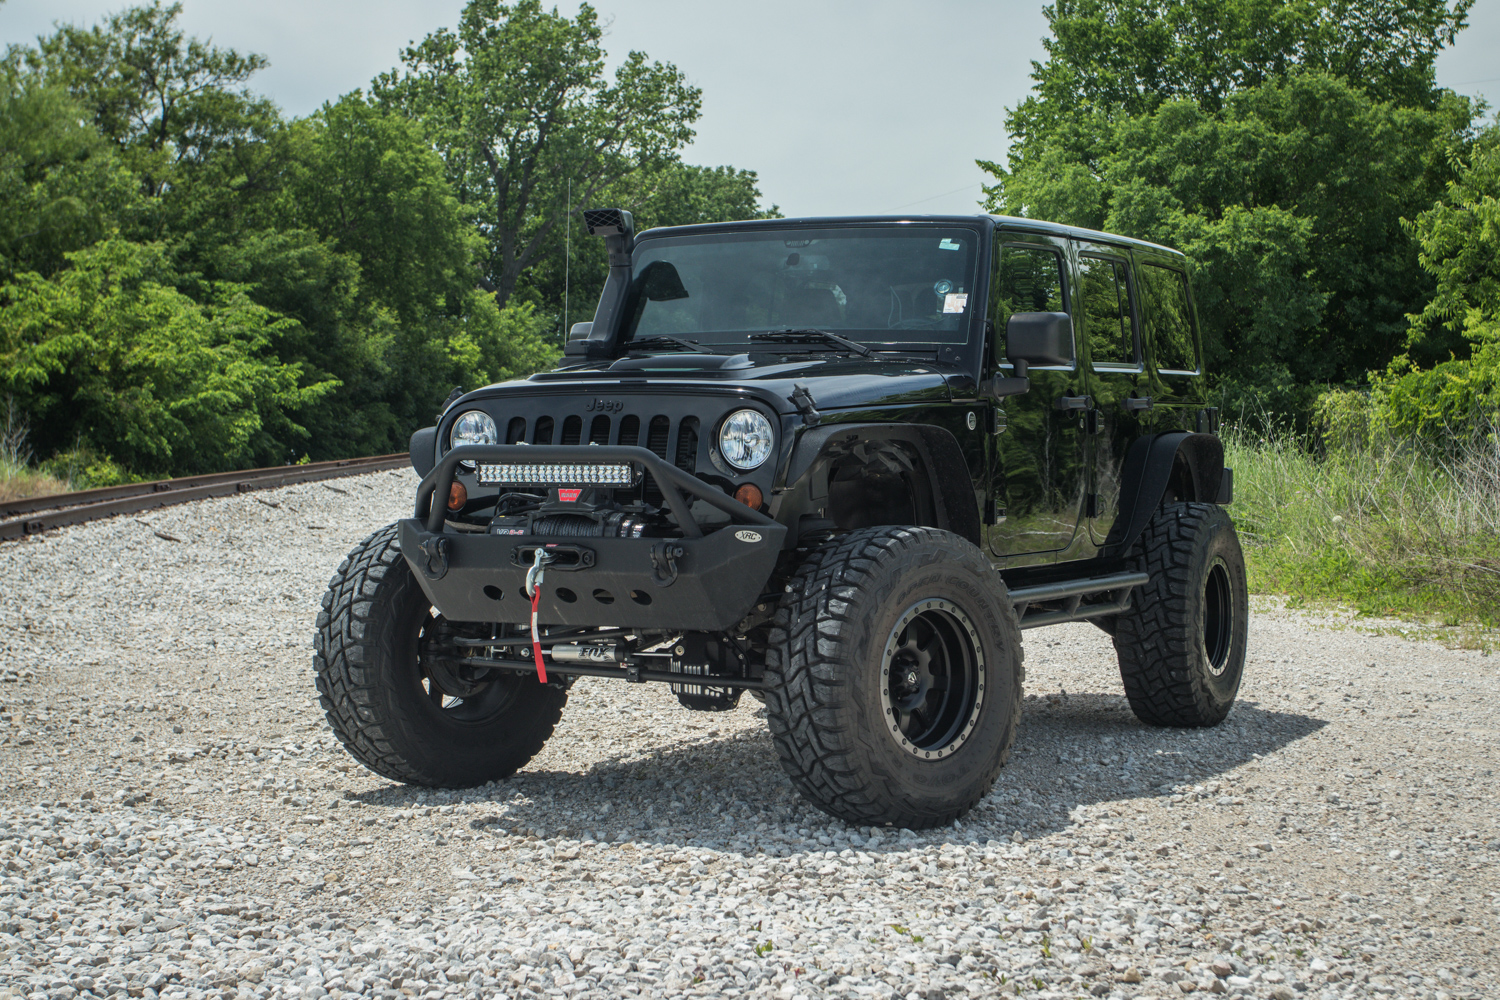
(906, 284)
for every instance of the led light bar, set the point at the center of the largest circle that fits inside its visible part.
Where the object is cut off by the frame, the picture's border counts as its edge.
(556, 474)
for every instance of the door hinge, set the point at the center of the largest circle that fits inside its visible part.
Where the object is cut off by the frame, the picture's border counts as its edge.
(1091, 505)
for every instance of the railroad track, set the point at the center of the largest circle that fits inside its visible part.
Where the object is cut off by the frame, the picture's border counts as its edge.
(34, 515)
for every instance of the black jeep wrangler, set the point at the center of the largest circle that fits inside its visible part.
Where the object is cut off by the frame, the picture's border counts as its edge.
(838, 463)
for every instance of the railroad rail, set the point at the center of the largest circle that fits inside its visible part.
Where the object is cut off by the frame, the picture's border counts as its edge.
(34, 515)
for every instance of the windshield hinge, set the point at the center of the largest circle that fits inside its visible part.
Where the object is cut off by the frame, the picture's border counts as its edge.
(803, 400)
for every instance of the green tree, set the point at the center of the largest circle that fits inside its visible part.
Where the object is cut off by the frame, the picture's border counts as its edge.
(519, 106)
(332, 253)
(107, 354)
(1108, 59)
(168, 102)
(1460, 248)
(1279, 144)
(60, 182)
(366, 248)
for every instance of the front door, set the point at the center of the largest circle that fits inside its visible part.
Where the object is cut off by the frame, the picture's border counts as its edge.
(1038, 459)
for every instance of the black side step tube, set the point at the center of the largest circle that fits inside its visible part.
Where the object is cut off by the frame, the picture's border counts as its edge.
(1118, 585)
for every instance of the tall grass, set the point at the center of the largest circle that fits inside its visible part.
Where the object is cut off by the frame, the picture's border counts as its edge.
(1389, 527)
(17, 478)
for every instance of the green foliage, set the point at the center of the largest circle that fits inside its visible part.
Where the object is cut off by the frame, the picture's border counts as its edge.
(367, 180)
(1460, 247)
(1379, 523)
(60, 182)
(188, 281)
(168, 103)
(518, 104)
(1128, 57)
(107, 353)
(1281, 158)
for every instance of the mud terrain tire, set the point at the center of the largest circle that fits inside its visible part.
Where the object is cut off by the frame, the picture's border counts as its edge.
(1182, 644)
(893, 677)
(384, 707)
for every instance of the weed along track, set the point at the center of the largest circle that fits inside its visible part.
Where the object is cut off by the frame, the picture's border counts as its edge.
(178, 821)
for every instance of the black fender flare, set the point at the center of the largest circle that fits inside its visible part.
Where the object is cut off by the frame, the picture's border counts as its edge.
(935, 449)
(1149, 464)
(424, 450)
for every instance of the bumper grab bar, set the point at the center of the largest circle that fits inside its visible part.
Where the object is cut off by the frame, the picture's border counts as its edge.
(672, 480)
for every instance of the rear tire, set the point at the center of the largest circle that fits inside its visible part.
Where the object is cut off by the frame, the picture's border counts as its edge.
(893, 677)
(1182, 643)
(403, 720)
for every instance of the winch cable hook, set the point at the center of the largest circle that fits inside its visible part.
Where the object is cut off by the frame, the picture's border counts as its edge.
(534, 591)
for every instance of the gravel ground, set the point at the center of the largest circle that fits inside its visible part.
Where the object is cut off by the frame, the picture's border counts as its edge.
(177, 821)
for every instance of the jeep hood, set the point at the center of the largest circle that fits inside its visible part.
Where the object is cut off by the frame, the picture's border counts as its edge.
(834, 380)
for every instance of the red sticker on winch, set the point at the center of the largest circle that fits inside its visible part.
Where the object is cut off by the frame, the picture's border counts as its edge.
(569, 496)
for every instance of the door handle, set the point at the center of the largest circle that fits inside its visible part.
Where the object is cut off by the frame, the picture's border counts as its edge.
(1138, 403)
(1074, 402)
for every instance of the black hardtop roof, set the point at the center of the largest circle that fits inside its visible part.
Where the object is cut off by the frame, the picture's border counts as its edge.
(1000, 221)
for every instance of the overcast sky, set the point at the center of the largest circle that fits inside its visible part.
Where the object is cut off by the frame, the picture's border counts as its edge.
(843, 106)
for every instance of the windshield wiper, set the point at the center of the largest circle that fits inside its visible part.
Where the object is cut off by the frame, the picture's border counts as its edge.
(657, 343)
(811, 336)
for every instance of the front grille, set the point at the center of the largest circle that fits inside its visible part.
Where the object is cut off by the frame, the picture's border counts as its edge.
(677, 439)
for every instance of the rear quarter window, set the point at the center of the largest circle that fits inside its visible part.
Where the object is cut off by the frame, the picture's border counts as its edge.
(1169, 318)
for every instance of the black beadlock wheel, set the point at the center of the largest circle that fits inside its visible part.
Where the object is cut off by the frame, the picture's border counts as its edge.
(1181, 645)
(400, 711)
(893, 676)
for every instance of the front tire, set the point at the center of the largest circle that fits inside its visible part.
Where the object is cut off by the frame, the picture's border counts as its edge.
(1181, 645)
(406, 716)
(893, 677)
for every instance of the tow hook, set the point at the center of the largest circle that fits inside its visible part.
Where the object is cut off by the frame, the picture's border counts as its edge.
(435, 548)
(664, 556)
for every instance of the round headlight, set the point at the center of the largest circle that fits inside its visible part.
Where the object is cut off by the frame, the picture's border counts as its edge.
(474, 427)
(745, 439)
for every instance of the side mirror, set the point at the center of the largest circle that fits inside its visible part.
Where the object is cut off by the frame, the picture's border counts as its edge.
(1034, 338)
(577, 342)
(1038, 338)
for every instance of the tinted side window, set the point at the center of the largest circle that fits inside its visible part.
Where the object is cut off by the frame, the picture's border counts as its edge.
(1169, 317)
(1029, 280)
(1106, 311)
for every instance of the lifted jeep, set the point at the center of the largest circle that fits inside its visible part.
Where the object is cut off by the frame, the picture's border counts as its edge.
(839, 463)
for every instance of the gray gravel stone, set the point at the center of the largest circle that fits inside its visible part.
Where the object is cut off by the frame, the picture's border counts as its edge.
(176, 821)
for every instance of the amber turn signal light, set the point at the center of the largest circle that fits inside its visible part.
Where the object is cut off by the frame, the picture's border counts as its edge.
(750, 496)
(458, 495)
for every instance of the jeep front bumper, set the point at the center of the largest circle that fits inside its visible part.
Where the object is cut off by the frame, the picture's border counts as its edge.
(697, 582)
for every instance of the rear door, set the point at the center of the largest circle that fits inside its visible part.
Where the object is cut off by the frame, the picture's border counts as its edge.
(1173, 369)
(1038, 459)
(1110, 330)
